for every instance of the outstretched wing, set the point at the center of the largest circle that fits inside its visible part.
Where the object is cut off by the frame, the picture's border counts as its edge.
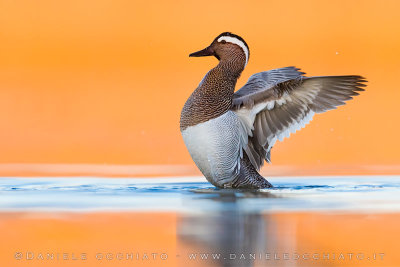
(276, 103)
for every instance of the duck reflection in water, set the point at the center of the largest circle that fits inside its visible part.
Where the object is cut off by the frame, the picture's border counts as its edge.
(230, 234)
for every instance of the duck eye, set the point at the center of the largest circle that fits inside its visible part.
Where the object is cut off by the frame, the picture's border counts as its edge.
(223, 42)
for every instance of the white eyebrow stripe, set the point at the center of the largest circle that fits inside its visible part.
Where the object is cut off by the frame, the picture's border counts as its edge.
(236, 41)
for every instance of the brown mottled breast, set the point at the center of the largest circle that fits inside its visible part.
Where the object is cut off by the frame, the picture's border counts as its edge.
(211, 99)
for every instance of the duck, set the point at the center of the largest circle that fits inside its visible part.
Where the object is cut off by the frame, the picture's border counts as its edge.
(229, 134)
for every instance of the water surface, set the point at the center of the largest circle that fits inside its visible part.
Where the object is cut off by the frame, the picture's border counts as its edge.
(303, 221)
(358, 194)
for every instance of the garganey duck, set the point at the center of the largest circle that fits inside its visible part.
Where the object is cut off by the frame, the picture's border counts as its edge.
(229, 134)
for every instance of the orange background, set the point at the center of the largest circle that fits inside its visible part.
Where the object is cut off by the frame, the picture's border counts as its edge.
(92, 233)
(104, 81)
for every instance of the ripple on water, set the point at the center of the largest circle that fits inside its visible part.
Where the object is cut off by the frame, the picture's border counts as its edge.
(186, 194)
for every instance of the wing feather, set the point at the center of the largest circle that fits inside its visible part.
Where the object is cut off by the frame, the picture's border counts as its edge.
(276, 103)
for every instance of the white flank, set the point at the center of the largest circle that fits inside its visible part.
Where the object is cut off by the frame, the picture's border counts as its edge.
(216, 147)
(236, 41)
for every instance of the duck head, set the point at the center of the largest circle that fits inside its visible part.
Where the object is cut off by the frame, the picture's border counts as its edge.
(226, 47)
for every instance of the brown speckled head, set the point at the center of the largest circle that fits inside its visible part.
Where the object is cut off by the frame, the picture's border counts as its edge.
(214, 95)
(224, 47)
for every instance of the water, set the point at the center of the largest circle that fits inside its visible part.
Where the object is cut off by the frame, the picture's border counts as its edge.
(196, 224)
(368, 193)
